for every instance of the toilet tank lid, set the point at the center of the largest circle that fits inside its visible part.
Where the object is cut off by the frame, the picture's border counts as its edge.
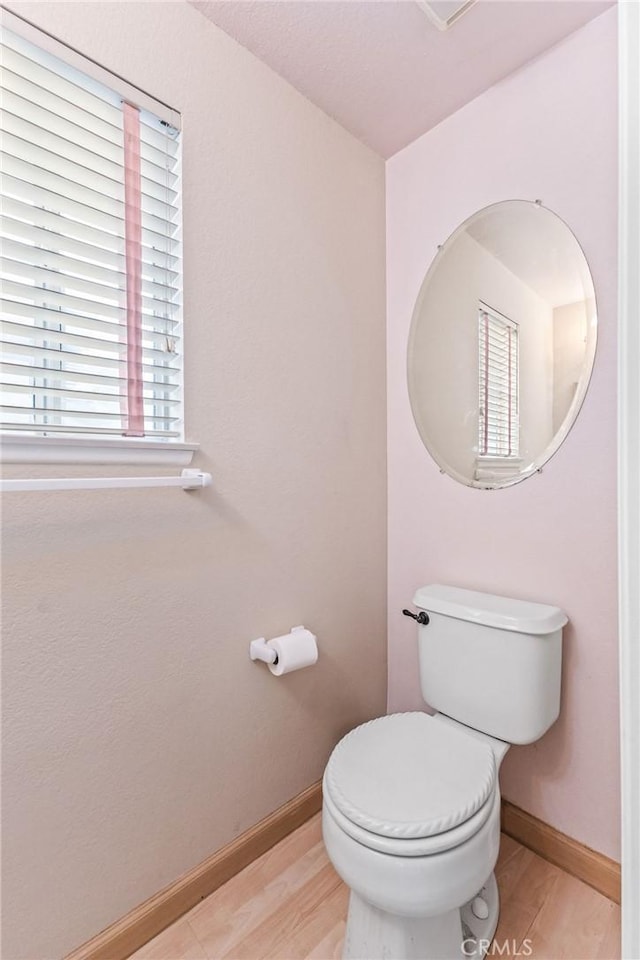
(520, 616)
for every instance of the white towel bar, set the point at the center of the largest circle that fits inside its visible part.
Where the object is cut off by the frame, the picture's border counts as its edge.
(188, 480)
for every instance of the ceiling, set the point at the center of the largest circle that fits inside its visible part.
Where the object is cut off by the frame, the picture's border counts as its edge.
(538, 248)
(381, 68)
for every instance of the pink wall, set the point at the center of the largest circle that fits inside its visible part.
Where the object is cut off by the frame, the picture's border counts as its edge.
(549, 132)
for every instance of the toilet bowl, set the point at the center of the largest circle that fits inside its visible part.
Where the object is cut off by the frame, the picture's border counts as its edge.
(411, 801)
(411, 822)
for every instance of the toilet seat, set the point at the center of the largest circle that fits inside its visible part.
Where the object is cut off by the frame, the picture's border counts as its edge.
(422, 846)
(407, 785)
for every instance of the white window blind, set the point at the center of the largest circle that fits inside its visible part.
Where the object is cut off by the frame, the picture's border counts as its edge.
(498, 426)
(91, 255)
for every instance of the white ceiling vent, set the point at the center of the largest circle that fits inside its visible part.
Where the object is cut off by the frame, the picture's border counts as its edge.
(444, 13)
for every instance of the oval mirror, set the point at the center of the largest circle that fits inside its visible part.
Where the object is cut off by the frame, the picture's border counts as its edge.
(502, 344)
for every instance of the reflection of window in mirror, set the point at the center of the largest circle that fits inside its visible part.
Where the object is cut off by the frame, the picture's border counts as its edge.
(498, 422)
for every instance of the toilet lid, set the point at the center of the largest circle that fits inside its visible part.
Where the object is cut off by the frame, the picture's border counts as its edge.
(408, 775)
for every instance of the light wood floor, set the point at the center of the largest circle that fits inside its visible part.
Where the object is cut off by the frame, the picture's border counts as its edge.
(291, 905)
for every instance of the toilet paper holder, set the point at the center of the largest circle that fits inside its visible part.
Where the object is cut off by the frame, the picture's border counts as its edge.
(260, 650)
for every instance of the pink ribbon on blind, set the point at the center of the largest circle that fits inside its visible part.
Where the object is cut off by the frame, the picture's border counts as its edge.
(485, 439)
(510, 390)
(134, 418)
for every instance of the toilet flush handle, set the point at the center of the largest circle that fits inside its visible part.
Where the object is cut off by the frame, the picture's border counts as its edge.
(422, 618)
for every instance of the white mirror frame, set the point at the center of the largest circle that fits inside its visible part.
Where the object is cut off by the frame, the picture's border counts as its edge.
(536, 465)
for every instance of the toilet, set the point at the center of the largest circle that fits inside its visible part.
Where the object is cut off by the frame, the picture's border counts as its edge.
(411, 801)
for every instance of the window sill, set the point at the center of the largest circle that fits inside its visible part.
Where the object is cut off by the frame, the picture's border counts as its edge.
(497, 468)
(498, 461)
(25, 449)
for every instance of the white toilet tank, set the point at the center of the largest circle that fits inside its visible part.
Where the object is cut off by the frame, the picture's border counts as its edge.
(491, 663)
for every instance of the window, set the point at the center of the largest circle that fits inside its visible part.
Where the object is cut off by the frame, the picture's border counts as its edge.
(498, 425)
(91, 252)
